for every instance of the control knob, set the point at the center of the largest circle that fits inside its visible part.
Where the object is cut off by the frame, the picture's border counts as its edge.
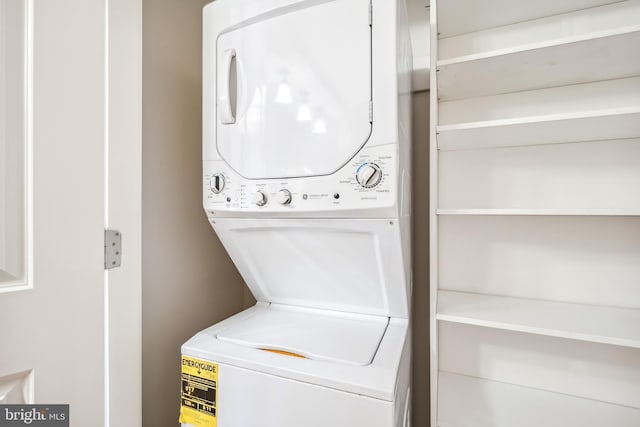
(259, 198)
(369, 175)
(217, 183)
(283, 197)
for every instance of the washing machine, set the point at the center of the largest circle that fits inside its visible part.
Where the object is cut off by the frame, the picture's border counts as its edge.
(306, 181)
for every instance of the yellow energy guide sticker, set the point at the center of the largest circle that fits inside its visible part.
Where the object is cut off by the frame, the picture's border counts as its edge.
(199, 391)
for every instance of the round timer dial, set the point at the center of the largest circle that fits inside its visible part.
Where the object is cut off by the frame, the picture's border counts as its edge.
(283, 197)
(369, 175)
(217, 183)
(259, 198)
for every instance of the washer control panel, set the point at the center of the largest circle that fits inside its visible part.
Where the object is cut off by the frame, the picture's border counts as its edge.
(368, 181)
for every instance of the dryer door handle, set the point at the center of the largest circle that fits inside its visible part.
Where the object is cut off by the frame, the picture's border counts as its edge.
(227, 88)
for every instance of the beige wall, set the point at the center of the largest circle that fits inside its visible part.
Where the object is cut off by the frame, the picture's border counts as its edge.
(188, 281)
(420, 222)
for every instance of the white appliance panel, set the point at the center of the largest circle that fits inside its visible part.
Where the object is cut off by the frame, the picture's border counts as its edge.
(294, 90)
(340, 338)
(353, 266)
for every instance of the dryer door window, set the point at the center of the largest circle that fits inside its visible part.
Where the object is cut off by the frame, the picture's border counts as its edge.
(293, 90)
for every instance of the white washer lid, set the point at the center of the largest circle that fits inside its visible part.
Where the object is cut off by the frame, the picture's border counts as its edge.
(347, 265)
(337, 337)
(387, 373)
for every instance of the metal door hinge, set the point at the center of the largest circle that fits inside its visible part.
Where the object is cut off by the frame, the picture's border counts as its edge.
(112, 249)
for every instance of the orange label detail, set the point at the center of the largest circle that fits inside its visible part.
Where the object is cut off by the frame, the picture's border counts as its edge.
(284, 353)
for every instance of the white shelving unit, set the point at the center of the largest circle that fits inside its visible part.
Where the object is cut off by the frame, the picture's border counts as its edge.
(535, 213)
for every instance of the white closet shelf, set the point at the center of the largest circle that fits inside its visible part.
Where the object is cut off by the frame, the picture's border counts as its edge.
(539, 212)
(581, 22)
(601, 55)
(480, 16)
(630, 30)
(599, 324)
(470, 401)
(619, 123)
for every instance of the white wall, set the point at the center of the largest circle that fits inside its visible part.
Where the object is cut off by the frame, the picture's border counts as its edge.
(418, 13)
(188, 281)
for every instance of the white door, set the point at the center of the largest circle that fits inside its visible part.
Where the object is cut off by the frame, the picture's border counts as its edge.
(54, 145)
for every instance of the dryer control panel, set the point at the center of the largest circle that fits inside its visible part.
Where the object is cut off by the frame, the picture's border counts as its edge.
(368, 181)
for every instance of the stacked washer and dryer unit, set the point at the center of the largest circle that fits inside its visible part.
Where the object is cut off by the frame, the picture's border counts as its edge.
(307, 184)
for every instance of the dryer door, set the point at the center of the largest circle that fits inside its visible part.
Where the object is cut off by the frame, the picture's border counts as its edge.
(294, 89)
